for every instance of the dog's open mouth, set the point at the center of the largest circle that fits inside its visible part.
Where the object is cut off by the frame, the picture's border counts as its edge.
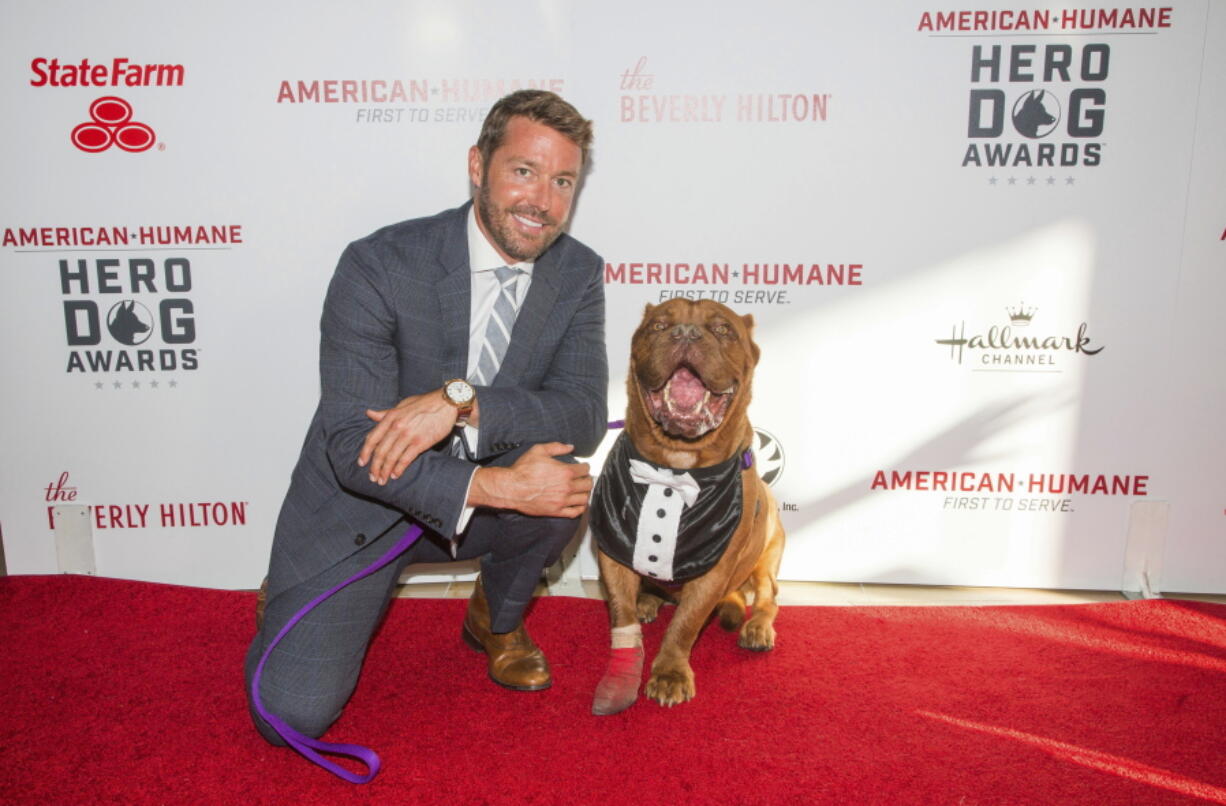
(685, 407)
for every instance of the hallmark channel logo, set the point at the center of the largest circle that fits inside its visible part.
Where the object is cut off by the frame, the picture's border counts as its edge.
(641, 101)
(1037, 106)
(1014, 346)
(111, 124)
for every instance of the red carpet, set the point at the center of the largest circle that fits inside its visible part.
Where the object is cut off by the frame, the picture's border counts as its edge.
(125, 692)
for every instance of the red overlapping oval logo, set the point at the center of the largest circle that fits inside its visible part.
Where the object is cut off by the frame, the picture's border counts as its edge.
(111, 124)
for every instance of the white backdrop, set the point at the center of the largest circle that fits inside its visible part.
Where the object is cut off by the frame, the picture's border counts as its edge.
(826, 167)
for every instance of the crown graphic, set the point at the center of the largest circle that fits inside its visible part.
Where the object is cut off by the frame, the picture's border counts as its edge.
(1021, 315)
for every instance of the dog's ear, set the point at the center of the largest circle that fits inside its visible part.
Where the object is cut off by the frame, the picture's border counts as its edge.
(639, 328)
(753, 345)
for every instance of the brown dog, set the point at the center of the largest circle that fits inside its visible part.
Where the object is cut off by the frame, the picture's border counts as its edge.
(679, 506)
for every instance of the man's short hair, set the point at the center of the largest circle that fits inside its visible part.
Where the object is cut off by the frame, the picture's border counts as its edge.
(539, 106)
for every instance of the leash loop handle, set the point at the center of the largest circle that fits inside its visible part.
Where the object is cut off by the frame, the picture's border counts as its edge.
(310, 748)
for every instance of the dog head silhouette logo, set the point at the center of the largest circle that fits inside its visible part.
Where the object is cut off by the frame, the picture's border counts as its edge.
(129, 322)
(1032, 114)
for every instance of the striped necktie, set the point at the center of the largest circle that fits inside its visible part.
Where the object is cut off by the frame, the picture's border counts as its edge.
(498, 331)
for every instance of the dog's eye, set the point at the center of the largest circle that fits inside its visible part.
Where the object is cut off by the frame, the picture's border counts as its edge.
(659, 325)
(720, 329)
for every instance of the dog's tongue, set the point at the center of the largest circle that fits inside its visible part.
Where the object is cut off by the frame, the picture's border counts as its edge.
(685, 390)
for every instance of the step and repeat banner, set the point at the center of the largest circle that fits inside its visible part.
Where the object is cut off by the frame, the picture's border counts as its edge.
(984, 247)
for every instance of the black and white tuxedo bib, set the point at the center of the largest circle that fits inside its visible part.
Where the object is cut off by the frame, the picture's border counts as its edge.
(665, 524)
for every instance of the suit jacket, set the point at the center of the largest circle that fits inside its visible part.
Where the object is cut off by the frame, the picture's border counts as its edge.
(395, 324)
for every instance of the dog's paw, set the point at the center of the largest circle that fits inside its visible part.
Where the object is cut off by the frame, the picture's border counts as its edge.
(731, 615)
(757, 635)
(647, 607)
(671, 687)
(619, 687)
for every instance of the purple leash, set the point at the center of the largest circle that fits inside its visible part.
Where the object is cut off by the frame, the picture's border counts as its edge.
(308, 747)
(312, 748)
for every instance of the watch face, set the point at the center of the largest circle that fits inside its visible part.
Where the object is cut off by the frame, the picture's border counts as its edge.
(459, 392)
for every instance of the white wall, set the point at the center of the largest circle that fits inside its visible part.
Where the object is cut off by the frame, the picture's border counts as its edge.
(727, 135)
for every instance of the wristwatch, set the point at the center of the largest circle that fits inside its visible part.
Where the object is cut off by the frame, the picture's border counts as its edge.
(459, 393)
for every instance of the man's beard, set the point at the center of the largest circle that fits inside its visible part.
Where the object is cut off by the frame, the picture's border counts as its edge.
(502, 232)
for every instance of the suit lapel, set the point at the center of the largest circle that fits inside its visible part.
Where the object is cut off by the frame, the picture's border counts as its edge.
(455, 295)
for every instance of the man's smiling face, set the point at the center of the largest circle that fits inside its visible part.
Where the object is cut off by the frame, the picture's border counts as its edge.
(525, 193)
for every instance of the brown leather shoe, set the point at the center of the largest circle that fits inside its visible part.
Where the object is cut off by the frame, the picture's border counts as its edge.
(515, 661)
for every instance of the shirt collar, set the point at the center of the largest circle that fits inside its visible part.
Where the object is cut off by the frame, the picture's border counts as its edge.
(482, 256)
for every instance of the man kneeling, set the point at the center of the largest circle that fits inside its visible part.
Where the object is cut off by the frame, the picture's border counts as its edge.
(474, 341)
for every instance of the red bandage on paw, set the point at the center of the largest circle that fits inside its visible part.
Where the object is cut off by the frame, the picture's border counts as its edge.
(619, 687)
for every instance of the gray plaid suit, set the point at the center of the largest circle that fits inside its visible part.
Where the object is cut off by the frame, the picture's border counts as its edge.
(396, 323)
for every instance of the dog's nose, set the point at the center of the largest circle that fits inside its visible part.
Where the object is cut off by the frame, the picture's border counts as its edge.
(685, 332)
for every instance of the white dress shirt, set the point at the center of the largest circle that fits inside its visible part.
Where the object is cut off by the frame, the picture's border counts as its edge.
(484, 290)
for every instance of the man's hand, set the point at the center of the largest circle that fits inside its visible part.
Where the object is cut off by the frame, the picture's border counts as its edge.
(403, 433)
(537, 484)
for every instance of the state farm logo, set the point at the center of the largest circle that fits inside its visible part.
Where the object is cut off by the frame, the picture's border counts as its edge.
(110, 117)
(111, 124)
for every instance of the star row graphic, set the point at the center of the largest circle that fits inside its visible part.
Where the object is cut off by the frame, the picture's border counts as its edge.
(117, 385)
(1030, 180)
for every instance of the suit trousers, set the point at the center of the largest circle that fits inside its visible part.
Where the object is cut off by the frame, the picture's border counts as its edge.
(313, 671)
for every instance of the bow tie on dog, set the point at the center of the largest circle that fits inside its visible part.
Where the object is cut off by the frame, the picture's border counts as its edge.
(653, 476)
